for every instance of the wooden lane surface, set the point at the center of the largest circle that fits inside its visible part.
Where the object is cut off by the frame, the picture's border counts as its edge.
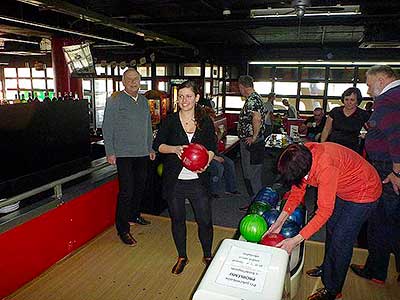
(106, 269)
(355, 288)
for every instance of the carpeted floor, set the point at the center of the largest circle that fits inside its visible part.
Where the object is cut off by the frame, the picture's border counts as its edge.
(225, 209)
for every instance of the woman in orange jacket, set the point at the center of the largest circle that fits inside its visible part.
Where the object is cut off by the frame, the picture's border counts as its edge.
(348, 189)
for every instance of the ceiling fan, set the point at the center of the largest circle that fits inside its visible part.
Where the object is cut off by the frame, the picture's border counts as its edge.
(300, 7)
(304, 8)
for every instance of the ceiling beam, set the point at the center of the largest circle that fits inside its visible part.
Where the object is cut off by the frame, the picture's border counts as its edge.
(99, 19)
(290, 21)
(49, 27)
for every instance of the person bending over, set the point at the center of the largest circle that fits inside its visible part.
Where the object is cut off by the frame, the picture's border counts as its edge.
(348, 189)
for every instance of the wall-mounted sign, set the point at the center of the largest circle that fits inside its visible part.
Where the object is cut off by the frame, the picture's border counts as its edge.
(177, 81)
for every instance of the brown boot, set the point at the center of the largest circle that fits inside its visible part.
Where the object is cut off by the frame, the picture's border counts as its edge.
(180, 265)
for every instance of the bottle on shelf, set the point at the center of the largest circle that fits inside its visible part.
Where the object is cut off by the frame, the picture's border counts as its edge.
(59, 98)
(70, 96)
(76, 97)
(30, 100)
(16, 99)
(23, 98)
(46, 98)
(65, 97)
(54, 98)
(36, 99)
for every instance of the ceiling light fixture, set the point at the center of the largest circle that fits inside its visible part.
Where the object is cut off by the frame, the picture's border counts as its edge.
(24, 22)
(346, 10)
(321, 62)
(18, 41)
(22, 53)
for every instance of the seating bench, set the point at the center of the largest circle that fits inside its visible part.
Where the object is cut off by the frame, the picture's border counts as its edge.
(226, 142)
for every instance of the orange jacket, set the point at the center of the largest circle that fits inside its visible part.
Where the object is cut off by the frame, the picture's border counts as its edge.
(336, 171)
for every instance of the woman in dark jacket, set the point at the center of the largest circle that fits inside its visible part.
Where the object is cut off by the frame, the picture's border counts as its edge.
(189, 125)
(344, 123)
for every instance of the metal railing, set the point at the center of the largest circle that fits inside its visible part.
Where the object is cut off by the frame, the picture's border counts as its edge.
(55, 185)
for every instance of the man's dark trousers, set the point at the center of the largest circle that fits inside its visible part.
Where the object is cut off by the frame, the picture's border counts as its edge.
(384, 228)
(132, 173)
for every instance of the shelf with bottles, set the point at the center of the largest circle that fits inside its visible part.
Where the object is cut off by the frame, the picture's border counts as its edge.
(41, 96)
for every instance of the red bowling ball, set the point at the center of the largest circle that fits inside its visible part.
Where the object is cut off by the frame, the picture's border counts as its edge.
(272, 239)
(194, 157)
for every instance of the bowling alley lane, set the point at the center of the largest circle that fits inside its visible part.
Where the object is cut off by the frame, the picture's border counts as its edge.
(105, 269)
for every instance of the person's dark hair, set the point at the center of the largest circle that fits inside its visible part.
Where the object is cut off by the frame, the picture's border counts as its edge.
(369, 105)
(199, 112)
(190, 85)
(293, 164)
(246, 81)
(350, 91)
(271, 95)
(382, 69)
(210, 112)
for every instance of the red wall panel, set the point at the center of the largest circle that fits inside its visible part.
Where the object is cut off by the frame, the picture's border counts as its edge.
(231, 119)
(29, 249)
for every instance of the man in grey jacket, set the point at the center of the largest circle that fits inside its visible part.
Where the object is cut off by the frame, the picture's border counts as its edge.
(128, 138)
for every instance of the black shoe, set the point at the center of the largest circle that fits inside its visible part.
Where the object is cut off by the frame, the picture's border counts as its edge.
(128, 239)
(180, 265)
(315, 272)
(140, 221)
(324, 294)
(360, 271)
(207, 261)
(235, 193)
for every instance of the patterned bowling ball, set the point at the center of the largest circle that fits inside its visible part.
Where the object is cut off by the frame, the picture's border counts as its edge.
(271, 216)
(194, 157)
(252, 228)
(258, 208)
(267, 195)
(290, 229)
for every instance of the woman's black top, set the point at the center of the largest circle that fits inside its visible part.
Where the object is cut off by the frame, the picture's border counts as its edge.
(345, 130)
(172, 133)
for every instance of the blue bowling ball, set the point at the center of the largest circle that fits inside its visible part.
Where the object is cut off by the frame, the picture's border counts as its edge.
(297, 216)
(290, 229)
(267, 195)
(271, 216)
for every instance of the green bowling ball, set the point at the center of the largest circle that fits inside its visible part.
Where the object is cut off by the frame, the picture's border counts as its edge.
(259, 208)
(252, 228)
(160, 169)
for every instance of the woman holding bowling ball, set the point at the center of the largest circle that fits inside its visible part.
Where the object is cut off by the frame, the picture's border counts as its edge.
(189, 125)
(348, 189)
